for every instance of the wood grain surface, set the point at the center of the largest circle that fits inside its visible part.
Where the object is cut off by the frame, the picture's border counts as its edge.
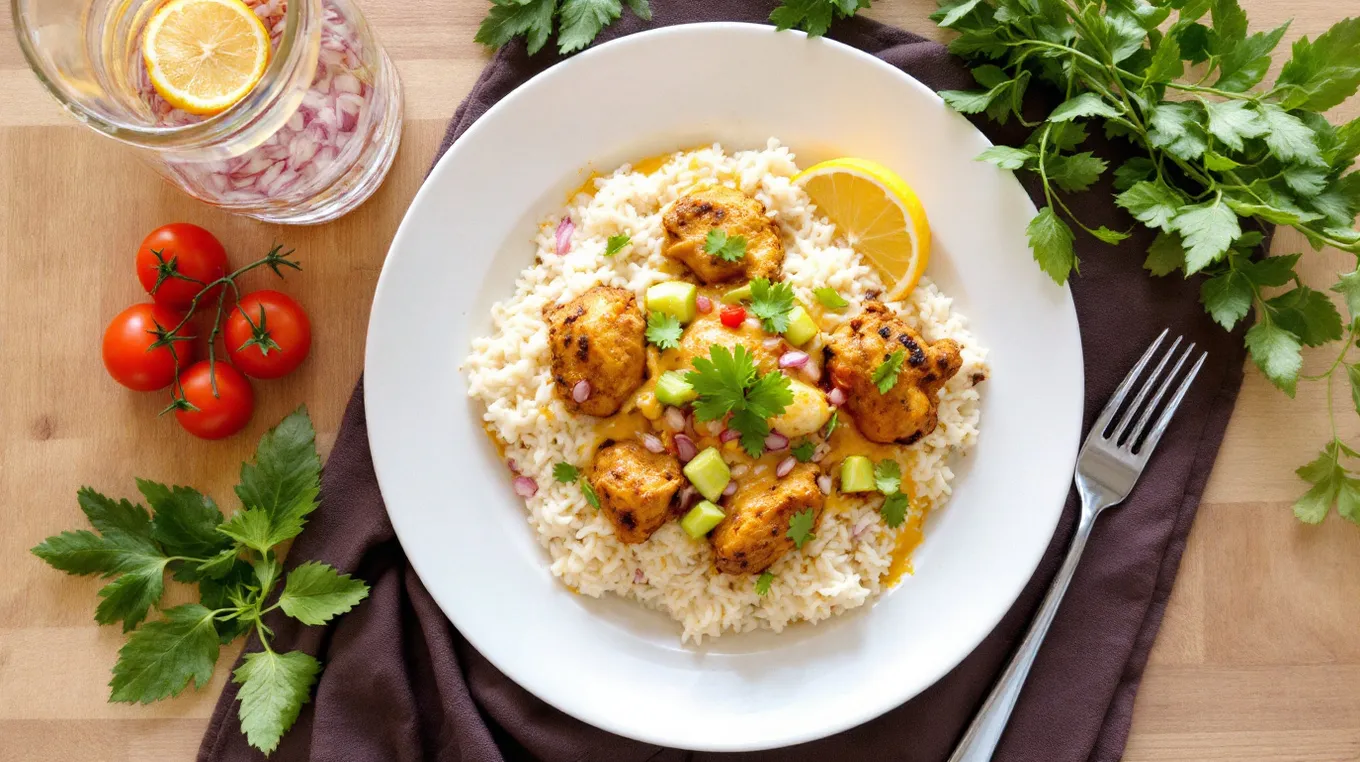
(1258, 659)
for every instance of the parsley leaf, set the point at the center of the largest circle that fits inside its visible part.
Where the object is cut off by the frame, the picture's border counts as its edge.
(1051, 240)
(273, 689)
(1165, 255)
(1232, 121)
(1084, 105)
(720, 245)
(763, 583)
(1227, 298)
(1208, 230)
(727, 382)
(1152, 203)
(894, 509)
(830, 298)
(1006, 157)
(582, 20)
(509, 19)
(664, 330)
(1349, 288)
(161, 657)
(885, 375)
(1332, 485)
(1076, 172)
(887, 476)
(565, 473)
(832, 422)
(814, 16)
(772, 303)
(803, 450)
(315, 593)
(616, 243)
(285, 478)
(1323, 73)
(1308, 314)
(1277, 353)
(589, 491)
(186, 520)
(800, 527)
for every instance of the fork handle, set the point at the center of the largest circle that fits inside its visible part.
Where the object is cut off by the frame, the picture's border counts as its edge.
(980, 742)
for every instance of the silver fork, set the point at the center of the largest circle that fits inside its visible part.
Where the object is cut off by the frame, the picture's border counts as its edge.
(1107, 468)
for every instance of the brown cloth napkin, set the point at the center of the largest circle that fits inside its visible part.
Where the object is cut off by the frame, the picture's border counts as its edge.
(401, 684)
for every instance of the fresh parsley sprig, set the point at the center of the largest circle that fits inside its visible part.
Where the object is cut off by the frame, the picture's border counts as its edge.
(814, 16)
(566, 473)
(664, 330)
(727, 382)
(727, 248)
(763, 583)
(235, 565)
(1223, 158)
(772, 303)
(578, 21)
(888, 480)
(800, 528)
(885, 375)
(616, 244)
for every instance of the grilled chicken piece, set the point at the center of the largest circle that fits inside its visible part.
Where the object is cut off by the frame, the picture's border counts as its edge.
(637, 488)
(754, 534)
(707, 330)
(598, 338)
(909, 410)
(690, 219)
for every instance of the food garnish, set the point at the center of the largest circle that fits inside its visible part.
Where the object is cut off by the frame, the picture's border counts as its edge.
(616, 243)
(803, 450)
(236, 567)
(772, 303)
(885, 375)
(1220, 158)
(727, 382)
(830, 298)
(832, 423)
(857, 474)
(763, 583)
(733, 315)
(203, 56)
(894, 509)
(579, 21)
(888, 480)
(724, 247)
(663, 330)
(887, 476)
(800, 528)
(814, 16)
(566, 473)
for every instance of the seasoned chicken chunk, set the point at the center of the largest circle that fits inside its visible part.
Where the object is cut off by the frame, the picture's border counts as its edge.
(755, 532)
(908, 411)
(707, 330)
(690, 219)
(597, 338)
(637, 488)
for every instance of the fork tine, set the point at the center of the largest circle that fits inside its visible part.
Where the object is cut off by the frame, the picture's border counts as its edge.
(1112, 407)
(1155, 434)
(1140, 427)
(1126, 425)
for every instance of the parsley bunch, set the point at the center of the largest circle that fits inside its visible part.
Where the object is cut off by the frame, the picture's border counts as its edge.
(727, 382)
(1218, 161)
(578, 21)
(236, 567)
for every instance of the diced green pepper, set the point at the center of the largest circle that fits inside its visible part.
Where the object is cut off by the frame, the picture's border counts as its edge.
(676, 298)
(701, 519)
(673, 389)
(857, 474)
(801, 327)
(710, 475)
(736, 295)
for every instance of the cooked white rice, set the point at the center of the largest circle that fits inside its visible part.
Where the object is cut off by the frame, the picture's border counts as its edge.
(509, 372)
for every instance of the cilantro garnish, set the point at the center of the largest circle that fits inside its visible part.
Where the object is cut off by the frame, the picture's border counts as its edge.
(888, 476)
(772, 303)
(894, 509)
(815, 16)
(579, 21)
(566, 473)
(663, 330)
(833, 422)
(589, 492)
(616, 243)
(800, 528)
(885, 375)
(803, 450)
(830, 298)
(728, 249)
(727, 382)
(763, 583)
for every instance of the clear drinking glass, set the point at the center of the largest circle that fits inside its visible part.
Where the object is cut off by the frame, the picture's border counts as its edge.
(310, 142)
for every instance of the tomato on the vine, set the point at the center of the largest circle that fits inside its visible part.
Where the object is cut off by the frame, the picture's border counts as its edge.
(131, 354)
(214, 415)
(176, 261)
(267, 334)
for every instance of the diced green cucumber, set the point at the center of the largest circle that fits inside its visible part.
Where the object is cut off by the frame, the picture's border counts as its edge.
(801, 327)
(676, 298)
(673, 389)
(857, 474)
(701, 519)
(737, 295)
(709, 474)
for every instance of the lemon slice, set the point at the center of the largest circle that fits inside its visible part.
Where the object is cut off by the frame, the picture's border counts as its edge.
(204, 55)
(878, 212)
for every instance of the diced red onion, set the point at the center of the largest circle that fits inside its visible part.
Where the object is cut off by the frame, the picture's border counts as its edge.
(512, 465)
(820, 452)
(785, 466)
(715, 427)
(704, 304)
(836, 397)
(794, 359)
(728, 435)
(685, 448)
(639, 577)
(581, 392)
(740, 470)
(824, 484)
(687, 497)
(675, 418)
(813, 372)
(776, 441)
(524, 486)
(730, 489)
(564, 230)
(653, 443)
(753, 323)
(771, 342)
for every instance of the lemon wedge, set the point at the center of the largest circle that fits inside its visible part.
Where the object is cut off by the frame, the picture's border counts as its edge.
(878, 212)
(204, 55)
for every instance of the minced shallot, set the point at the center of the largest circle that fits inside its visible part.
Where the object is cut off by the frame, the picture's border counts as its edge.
(653, 443)
(524, 486)
(685, 448)
(785, 466)
(581, 392)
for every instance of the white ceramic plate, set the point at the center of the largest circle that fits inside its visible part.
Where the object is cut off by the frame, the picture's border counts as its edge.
(610, 662)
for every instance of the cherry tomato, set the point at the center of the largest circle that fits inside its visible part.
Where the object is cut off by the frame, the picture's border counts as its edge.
(732, 315)
(128, 355)
(176, 261)
(268, 334)
(215, 417)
